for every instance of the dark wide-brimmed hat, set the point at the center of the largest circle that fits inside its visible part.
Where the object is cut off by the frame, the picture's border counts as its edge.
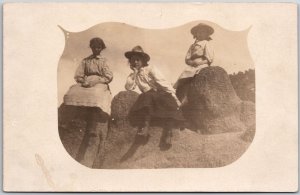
(137, 50)
(204, 28)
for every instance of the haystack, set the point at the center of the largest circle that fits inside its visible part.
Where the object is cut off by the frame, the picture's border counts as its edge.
(121, 104)
(120, 135)
(213, 106)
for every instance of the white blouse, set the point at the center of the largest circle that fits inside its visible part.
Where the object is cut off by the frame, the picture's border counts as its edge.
(147, 78)
(94, 67)
(201, 48)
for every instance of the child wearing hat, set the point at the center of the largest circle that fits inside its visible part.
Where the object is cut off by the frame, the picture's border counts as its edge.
(157, 101)
(199, 55)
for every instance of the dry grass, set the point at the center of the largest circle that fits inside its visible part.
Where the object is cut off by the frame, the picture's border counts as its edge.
(189, 150)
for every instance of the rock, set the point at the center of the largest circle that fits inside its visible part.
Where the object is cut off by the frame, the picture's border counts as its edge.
(213, 106)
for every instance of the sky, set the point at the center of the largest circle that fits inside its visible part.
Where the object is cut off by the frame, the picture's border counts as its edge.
(166, 47)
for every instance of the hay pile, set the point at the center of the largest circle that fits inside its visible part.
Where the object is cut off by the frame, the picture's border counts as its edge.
(121, 105)
(120, 135)
(213, 106)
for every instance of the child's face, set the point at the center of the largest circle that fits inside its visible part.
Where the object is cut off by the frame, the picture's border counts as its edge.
(200, 35)
(96, 50)
(136, 61)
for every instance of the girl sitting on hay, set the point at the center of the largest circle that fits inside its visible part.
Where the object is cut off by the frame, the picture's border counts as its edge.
(199, 55)
(158, 99)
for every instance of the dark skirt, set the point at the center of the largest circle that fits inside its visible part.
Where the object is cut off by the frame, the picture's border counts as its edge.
(161, 107)
(183, 87)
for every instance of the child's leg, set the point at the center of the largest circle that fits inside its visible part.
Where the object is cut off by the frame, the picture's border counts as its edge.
(184, 99)
(88, 147)
(169, 132)
(182, 90)
(144, 131)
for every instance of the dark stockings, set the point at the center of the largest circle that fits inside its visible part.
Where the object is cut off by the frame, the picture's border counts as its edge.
(144, 127)
(168, 132)
(91, 151)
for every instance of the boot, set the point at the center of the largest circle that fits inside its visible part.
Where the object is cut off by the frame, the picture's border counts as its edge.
(145, 130)
(168, 139)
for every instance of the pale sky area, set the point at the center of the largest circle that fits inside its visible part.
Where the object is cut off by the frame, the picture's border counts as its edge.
(166, 47)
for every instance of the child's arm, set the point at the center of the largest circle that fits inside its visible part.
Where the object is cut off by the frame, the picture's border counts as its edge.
(130, 82)
(188, 57)
(80, 80)
(79, 74)
(105, 78)
(163, 84)
(209, 53)
(107, 73)
(196, 62)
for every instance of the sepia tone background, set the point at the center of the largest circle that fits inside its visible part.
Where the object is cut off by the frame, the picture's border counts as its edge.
(34, 158)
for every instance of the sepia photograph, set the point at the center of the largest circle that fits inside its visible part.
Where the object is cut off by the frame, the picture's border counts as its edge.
(146, 98)
(150, 97)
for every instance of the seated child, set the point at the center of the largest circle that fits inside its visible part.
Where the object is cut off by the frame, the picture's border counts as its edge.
(157, 102)
(199, 55)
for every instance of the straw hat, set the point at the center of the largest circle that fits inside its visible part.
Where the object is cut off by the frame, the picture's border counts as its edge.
(204, 28)
(137, 50)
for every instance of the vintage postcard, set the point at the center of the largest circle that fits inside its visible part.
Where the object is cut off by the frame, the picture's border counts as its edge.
(150, 97)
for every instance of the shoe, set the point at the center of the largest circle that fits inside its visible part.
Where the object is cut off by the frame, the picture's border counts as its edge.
(139, 131)
(184, 102)
(168, 139)
(143, 132)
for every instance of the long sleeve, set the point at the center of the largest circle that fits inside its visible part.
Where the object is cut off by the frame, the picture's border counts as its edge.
(79, 74)
(161, 81)
(130, 82)
(106, 73)
(209, 52)
(189, 55)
